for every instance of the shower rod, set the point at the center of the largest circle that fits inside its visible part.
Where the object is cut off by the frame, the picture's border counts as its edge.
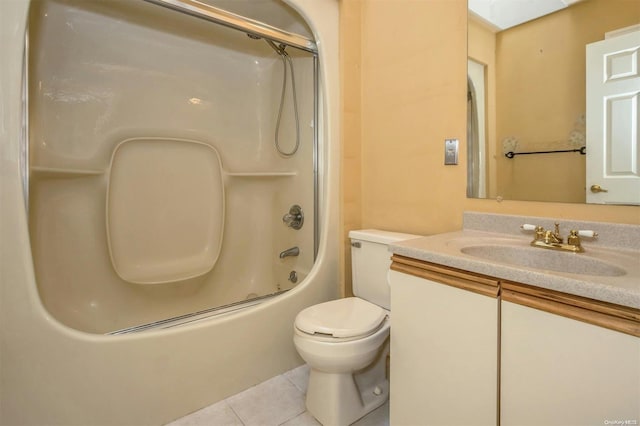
(219, 16)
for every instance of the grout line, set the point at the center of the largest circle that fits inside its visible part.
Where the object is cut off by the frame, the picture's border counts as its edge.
(294, 384)
(234, 411)
(286, 376)
(291, 418)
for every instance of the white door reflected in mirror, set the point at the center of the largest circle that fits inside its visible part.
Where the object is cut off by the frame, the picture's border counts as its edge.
(613, 105)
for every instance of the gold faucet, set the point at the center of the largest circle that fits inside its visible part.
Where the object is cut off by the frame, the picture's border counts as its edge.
(554, 241)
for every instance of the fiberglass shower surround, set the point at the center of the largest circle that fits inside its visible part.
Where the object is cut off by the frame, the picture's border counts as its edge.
(156, 187)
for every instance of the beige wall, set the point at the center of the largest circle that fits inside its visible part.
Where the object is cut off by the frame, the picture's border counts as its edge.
(351, 94)
(411, 84)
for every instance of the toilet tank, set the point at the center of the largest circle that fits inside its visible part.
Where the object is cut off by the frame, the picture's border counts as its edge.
(370, 260)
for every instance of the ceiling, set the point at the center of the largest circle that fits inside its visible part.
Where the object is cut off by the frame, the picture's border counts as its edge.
(503, 14)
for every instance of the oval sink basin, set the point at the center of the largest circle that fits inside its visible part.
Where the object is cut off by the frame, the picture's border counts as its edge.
(549, 260)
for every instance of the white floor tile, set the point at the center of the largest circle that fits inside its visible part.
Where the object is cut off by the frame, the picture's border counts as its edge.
(304, 419)
(378, 417)
(219, 414)
(270, 403)
(299, 377)
(278, 401)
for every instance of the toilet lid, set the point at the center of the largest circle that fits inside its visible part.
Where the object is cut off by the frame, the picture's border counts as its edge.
(349, 317)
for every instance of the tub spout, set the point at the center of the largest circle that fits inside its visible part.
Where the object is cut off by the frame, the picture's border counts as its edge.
(293, 251)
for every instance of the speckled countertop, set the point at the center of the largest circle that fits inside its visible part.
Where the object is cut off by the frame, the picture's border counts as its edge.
(608, 270)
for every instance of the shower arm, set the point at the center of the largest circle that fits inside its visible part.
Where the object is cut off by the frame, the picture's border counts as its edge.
(213, 14)
(279, 49)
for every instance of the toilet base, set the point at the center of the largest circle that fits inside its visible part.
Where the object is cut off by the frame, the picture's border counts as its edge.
(339, 399)
(334, 399)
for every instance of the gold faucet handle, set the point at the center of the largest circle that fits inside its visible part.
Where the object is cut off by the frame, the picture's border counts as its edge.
(587, 233)
(574, 236)
(539, 231)
(573, 241)
(528, 227)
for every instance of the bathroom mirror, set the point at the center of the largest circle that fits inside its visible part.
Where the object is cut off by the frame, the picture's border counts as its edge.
(527, 93)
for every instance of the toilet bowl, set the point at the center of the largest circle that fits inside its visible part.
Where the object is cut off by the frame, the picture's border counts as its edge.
(345, 342)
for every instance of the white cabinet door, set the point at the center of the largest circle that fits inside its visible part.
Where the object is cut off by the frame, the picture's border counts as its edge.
(613, 109)
(444, 354)
(558, 371)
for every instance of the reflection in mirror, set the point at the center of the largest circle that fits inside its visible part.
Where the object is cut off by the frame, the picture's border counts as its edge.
(533, 77)
(476, 145)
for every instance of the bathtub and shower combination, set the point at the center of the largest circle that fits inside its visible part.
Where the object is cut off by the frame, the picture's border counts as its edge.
(168, 188)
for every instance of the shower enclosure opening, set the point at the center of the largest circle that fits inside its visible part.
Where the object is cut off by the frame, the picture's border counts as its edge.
(165, 152)
(476, 130)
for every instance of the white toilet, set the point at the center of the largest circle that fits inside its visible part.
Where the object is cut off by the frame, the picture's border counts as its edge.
(345, 342)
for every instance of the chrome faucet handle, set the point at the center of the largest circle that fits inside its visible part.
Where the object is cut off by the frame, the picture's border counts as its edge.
(295, 218)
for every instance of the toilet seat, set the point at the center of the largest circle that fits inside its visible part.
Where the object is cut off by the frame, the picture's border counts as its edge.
(346, 318)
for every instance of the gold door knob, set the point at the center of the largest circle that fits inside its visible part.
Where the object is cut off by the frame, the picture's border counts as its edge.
(597, 188)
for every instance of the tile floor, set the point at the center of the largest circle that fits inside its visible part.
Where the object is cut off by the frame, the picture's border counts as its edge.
(278, 401)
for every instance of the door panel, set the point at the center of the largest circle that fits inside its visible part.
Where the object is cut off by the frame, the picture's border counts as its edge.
(613, 108)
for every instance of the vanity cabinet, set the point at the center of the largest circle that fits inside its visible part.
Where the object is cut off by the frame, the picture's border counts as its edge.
(468, 349)
(567, 360)
(444, 345)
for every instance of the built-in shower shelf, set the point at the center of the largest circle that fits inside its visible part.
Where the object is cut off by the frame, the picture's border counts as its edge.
(64, 173)
(262, 174)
